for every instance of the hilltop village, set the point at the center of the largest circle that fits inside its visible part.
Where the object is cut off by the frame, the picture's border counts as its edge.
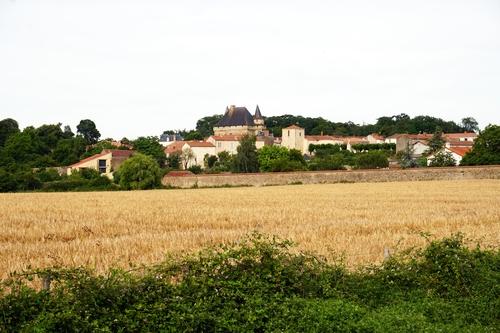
(238, 122)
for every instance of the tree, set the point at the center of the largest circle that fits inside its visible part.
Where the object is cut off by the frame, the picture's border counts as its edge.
(150, 146)
(68, 133)
(405, 158)
(205, 125)
(50, 135)
(174, 160)
(372, 160)
(246, 159)
(69, 151)
(140, 172)
(269, 154)
(186, 156)
(443, 159)
(193, 135)
(8, 127)
(210, 160)
(486, 148)
(436, 143)
(88, 130)
(470, 124)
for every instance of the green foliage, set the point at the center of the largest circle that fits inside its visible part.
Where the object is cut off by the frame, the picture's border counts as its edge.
(87, 129)
(193, 135)
(390, 147)
(442, 159)
(246, 159)
(260, 284)
(329, 162)
(210, 161)
(405, 158)
(470, 124)
(150, 146)
(173, 161)
(205, 125)
(326, 149)
(7, 181)
(401, 123)
(140, 172)
(436, 143)
(196, 169)
(372, 160)
(269, 154)
(69, 151)
(486, 149)
(8, 127)
(421, 162)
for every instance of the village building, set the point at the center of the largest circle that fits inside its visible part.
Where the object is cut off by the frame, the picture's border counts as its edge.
(237, 122)
(191, 152)
(418, 142)
(456, 152)
(375, 138)
(106, 162)
(293, 137)
(167, 139)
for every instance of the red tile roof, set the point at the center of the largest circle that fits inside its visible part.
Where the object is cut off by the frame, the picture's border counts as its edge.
(199, 144)
(114, 153)
(174, 147)
(460, 135)
(461, 151)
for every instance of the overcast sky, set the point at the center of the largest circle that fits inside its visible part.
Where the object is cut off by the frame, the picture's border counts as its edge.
(140, 67)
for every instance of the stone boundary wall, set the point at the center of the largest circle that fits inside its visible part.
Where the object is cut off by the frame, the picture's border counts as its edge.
(331, 177)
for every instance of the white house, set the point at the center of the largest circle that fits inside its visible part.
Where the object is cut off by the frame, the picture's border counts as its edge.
(193, 152)
(457, 152)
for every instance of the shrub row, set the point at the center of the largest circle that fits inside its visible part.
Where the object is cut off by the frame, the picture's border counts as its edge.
(259, 285)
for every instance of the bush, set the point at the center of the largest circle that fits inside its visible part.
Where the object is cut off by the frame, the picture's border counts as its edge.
(277, 159)
(7, 181)
(196, 169)
(140, 172)
(372, 160)
(260, 284)
(48, 175)
(334, 162)
(486, 149)
(442, 159)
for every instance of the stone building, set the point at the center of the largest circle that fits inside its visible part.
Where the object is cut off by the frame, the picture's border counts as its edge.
(106, 162)
(239, 121)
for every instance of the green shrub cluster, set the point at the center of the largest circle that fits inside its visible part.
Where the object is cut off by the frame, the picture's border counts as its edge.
(372, 160)
(259, 285)
(391, 147)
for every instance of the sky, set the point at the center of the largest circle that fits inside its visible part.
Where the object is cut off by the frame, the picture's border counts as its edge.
(141, 67)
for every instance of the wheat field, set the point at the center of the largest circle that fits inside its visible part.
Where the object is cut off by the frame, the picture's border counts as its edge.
(356, 221)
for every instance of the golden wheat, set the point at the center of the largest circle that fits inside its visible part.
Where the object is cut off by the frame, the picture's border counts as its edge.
(103, 229)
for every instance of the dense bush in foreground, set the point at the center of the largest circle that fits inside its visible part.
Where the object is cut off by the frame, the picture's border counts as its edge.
(260, 285)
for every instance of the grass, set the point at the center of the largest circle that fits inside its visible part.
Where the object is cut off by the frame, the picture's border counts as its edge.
(109, 229)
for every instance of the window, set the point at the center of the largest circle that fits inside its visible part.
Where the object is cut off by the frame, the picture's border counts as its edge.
(288, 132)
(102, 166)
(300, 133)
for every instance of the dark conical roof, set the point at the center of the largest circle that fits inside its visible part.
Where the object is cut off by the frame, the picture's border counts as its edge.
(257, 115)
(236, 116)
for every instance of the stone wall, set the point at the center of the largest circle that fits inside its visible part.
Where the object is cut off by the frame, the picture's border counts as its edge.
(330, 177)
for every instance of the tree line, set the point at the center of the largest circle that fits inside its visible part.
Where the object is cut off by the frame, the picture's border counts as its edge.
(387, 125)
